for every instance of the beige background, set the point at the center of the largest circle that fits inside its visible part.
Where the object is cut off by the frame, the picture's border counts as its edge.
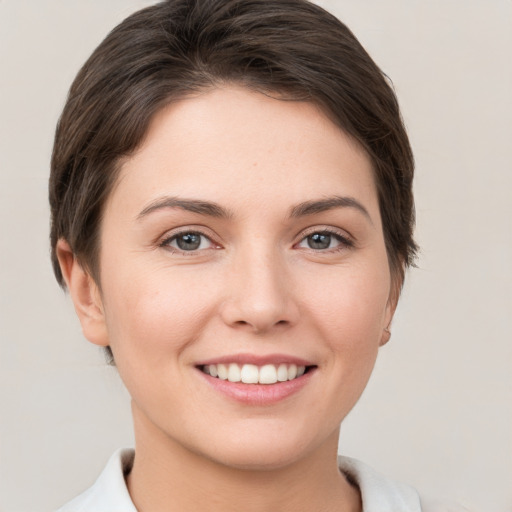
(438, 412)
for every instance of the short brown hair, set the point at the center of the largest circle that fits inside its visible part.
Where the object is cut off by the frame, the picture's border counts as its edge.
(160, 54)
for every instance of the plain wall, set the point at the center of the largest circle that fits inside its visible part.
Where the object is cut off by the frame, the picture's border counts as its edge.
(438, 410)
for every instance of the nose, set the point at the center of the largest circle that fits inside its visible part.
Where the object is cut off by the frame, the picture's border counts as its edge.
(260, 293)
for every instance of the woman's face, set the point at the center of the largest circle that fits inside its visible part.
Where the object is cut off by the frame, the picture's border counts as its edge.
(244, 240)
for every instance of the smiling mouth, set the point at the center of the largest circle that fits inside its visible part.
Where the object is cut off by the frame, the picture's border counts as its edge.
(253, 374)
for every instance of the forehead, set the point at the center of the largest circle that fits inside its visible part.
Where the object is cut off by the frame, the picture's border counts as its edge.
(241, 145)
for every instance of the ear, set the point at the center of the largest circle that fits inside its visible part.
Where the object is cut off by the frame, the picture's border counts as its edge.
(85, 295)
(394, 295)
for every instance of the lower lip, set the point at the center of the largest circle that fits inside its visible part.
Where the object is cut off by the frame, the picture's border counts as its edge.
(258, 394)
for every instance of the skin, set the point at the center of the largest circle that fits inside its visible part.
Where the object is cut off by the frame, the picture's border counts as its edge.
(254, 286)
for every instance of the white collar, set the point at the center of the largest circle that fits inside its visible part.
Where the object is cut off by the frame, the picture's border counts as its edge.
(379, 494)
(109, 492)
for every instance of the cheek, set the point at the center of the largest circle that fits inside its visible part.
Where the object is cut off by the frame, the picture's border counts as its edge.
(349, 306)
(351, 299)
(156, 311)
(152, 319)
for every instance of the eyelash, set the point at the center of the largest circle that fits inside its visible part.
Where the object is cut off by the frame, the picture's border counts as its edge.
(169, 239)
(344, 241)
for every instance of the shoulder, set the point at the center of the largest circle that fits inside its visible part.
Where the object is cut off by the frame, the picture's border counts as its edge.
(381, 494)
(109, 492)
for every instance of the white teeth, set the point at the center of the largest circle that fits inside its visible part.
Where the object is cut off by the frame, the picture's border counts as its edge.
(234, 373)
(222, 371)
(268, 374)
(282, 373)
(252, 374)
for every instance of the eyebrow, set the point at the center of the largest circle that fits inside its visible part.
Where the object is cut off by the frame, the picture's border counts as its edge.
(215, 210)
(191, 205)
(328, 203)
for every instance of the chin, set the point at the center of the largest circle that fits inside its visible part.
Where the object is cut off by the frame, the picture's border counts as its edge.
(256, 459)
(263, 450)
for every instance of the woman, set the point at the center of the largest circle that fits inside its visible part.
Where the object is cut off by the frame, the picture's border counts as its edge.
(232, 215)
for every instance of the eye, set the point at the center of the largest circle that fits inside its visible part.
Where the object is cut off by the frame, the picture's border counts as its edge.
(188, 241)
(324, 240)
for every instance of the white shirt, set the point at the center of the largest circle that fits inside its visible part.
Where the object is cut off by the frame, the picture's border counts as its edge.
(379, 494)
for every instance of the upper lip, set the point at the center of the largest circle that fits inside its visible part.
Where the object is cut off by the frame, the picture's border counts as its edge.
(258, 360)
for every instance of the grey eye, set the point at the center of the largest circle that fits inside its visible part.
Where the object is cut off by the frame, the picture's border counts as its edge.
(189, 241)
(319, 241)
(324, 240)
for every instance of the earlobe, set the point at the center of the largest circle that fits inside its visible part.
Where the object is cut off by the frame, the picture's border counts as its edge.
(85, 295)
(390, 313)
(386, 335)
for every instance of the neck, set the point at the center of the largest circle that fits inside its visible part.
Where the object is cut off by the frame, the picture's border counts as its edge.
(166, 474)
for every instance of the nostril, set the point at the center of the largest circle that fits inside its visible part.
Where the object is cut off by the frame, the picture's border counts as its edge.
(261, 326)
